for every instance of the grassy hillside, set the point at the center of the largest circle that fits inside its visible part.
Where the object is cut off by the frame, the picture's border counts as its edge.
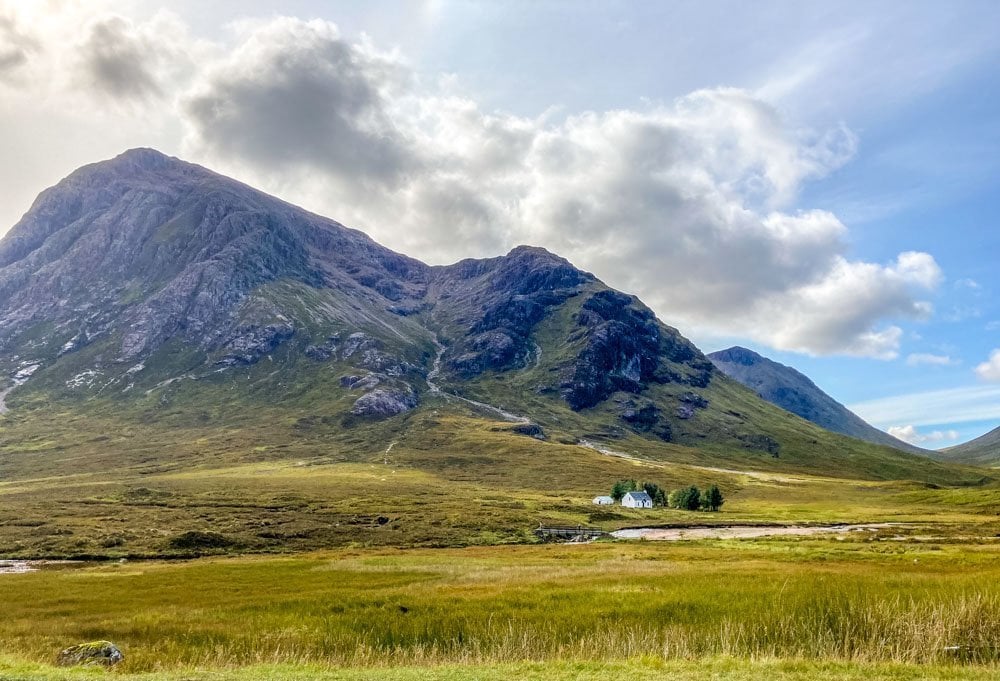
(982, 451)
(273, 478)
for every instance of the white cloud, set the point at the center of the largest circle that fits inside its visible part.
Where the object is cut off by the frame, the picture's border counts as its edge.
(990, 369)
(930, 408)
(970, 284)
(690, 204)
(911, 435)
(685, 204)
(921, 359)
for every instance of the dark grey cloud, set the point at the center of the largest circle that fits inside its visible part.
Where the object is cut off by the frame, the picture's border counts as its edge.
(120, 61)
(15, 48)
(296, 94)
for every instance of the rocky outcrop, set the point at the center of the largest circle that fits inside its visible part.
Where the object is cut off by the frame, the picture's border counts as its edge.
(622, 351)
(510, 296)
(325, 350)
(95, 653)
(254, 342)
(380, 404)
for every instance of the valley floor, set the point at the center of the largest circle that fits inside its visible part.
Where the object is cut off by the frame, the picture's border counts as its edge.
(783, 608)
(286, 547)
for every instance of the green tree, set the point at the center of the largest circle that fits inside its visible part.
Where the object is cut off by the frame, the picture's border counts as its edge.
(686, 499)
(656, 493)
(713, 499)
(621, 488)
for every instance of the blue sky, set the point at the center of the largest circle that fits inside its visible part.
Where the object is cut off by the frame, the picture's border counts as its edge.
(816, 182)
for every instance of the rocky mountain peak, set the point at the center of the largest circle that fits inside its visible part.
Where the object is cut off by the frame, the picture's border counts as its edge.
(737, 355)
(143, 273)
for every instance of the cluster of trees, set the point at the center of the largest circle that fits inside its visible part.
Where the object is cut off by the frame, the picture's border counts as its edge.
(687, 498)
(693, 499)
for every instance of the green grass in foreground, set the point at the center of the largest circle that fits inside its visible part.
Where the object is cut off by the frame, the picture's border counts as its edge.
(799, 599)
(677, 670)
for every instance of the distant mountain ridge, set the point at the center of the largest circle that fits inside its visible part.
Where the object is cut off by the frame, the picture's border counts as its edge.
(795, 392)
(982, 451)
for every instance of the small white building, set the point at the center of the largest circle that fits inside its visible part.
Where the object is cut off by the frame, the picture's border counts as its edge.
(637, 500)
(603, 501)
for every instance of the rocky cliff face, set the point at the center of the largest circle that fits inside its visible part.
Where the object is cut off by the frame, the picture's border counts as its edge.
(789, 389)
(143, 277)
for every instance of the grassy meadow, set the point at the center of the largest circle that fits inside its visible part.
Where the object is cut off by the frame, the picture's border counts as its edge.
(95, 485)
(865, 606)
(222, 541)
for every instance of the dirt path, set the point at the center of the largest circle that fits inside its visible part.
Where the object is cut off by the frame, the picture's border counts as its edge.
(740, 532)
(436, 390)
(757, 475)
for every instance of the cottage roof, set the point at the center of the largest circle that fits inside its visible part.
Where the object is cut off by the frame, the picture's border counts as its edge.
(639, 496)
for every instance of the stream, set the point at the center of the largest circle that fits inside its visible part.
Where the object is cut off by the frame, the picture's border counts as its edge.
(436, 389)
(16, 567)
(741, 531)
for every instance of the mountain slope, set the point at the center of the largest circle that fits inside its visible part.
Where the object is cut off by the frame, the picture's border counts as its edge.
(982, 451)
(150, 290)
(793, 391)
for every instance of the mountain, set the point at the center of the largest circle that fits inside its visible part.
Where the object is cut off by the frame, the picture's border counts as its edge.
(149, 290)
(192, 365)
(793, 391)
(982, 451)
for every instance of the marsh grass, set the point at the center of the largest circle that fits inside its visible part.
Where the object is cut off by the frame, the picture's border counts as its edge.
(520, 604)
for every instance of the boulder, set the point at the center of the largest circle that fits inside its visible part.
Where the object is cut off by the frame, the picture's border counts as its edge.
(530, 429)
(103, 653)
(381, 403)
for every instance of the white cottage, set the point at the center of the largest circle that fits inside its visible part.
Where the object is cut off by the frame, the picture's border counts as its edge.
(603, 501)
(637, 500)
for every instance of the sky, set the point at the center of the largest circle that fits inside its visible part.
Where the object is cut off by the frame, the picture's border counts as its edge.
(815, 181)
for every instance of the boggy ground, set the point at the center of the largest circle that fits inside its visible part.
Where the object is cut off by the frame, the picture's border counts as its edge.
(795, 607)
(86, 486)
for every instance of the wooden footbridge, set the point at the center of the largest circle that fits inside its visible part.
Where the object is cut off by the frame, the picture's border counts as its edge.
(567, 533)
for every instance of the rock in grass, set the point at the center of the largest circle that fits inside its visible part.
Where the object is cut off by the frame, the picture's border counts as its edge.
(103, 653)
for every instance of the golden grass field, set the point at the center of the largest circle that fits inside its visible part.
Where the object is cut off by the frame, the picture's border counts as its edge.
(795, 604)
(308, 582)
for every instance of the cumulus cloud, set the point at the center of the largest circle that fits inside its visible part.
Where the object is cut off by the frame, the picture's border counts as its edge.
(922, 359)
(911, 435)
(690, 204)
(120, 61)
(296, 96)
(15, 47)
(684, 203)
(990, 369)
